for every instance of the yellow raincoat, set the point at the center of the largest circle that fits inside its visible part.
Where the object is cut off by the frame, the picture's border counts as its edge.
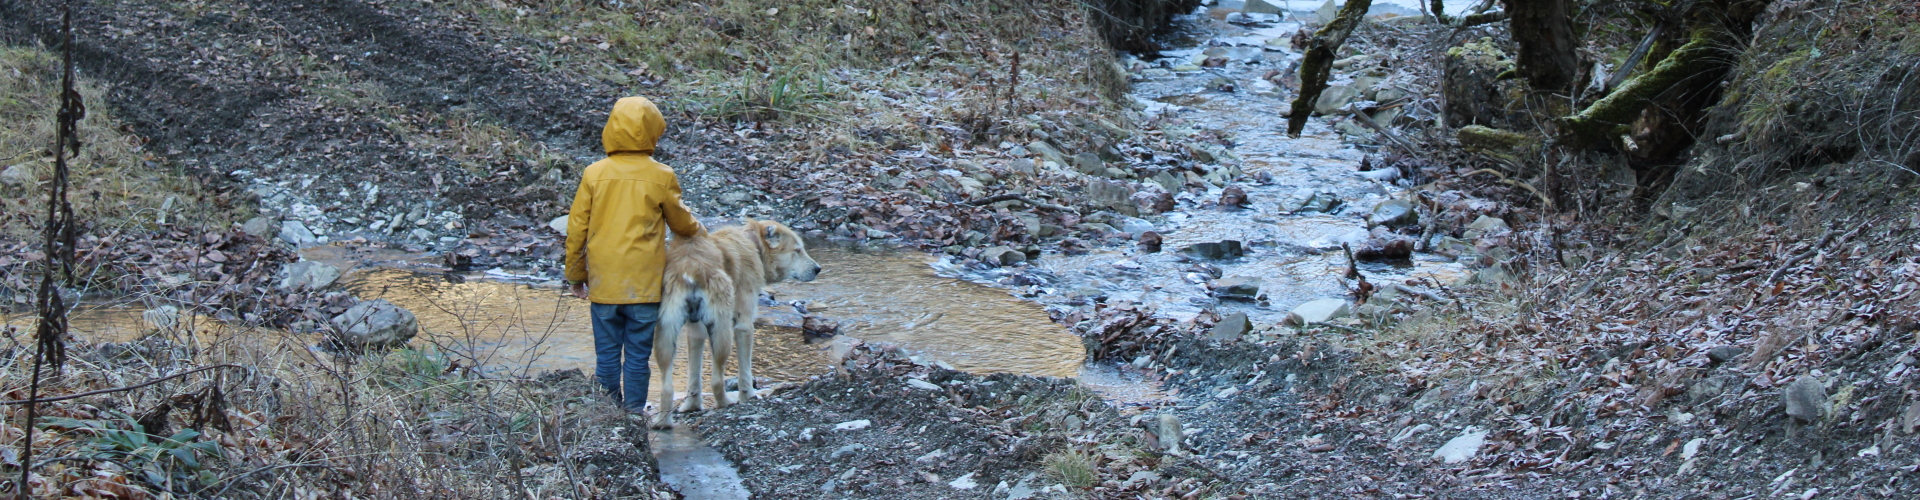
(622, 210)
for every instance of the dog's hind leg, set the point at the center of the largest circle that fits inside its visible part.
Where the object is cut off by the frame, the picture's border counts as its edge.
(665, 342)
(722, 343)
(696, 356)
(743, 343)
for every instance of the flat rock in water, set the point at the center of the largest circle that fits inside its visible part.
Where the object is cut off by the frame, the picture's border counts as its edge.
(1395, 213)
(1317, 311)
(1245, 288)
(1224, 249)
(308, 275)
(1806, 399)
(1002, 256)
(1462, 448)
(1260, 7)
(1231, 327)
(375, 323)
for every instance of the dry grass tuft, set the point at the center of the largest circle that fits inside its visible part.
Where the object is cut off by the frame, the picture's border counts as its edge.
(117, 184)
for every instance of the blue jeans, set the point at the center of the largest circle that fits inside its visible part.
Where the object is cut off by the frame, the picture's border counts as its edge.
(628, 328)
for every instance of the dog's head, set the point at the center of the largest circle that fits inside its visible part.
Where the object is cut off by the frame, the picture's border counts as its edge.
(786, 253)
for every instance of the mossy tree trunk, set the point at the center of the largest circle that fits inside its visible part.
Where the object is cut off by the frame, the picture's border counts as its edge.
(1543, 29)
(1317, 66)
(1683, 84)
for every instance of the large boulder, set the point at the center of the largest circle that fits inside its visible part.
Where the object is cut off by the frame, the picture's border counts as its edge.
(261, 227)
(1245, 288)
(374, 324)
(1474, 90)
(1048, 153)
(1334, 97)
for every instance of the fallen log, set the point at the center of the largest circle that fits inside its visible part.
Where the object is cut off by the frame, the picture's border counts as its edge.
(1318, 64)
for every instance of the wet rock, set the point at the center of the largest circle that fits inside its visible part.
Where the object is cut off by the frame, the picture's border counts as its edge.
(1805, 399)
(1002, 256)
(261, 227)
(1225, 249)
(1167, 180)
(294, 232)
(1089, 163)
(1260, 7)
(308, 275)
(1233, 197)
(1220, 83)
(922, 385)
(964, 482)
(420, 234)
(1048, 153)
(1223, 175)
(1112, 195)
(1153, 201)
(1167, 434)
(1384, 249)
(1150, 242)
(1910, 422)
(853, 425)
(1721, 355)
(1244, 288)
(1231, 327)
(1136, 226)
(736, 197)
(1334, 97)
(815, 326)
(1324, 201)
(1395, 214)
(1317, 311)
(1486, 225)
(375, 324)
(1463, 447)
(17, 175)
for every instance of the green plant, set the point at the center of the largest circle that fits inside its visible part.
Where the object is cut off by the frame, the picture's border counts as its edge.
(172, 463)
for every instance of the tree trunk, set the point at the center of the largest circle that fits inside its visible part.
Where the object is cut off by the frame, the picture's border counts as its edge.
(1318, 64)
(1544, 31)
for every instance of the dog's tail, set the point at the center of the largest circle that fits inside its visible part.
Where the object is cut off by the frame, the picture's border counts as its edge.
(695, 300)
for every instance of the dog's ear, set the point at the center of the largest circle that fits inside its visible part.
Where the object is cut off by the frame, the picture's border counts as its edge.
(772, 235)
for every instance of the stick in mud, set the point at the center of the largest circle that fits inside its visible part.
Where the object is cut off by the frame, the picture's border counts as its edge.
(51, 333)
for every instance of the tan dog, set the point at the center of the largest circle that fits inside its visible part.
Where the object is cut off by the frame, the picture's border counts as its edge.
(713, 283)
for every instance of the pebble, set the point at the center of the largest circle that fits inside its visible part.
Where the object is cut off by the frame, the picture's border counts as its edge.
(964, 482)
(1692, 448)
(853, 425)
(922, 384)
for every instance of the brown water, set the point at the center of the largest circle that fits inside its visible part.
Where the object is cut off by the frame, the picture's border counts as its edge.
(876, 296)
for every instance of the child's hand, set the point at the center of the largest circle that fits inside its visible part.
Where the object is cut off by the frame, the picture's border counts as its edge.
(580, 290)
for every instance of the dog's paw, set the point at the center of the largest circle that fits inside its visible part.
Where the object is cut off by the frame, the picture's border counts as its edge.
(729, 399)
(662, 421)
(763, 393)
(692, 403)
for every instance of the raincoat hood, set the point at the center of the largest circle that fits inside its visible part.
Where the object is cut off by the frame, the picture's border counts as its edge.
(633, 127)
